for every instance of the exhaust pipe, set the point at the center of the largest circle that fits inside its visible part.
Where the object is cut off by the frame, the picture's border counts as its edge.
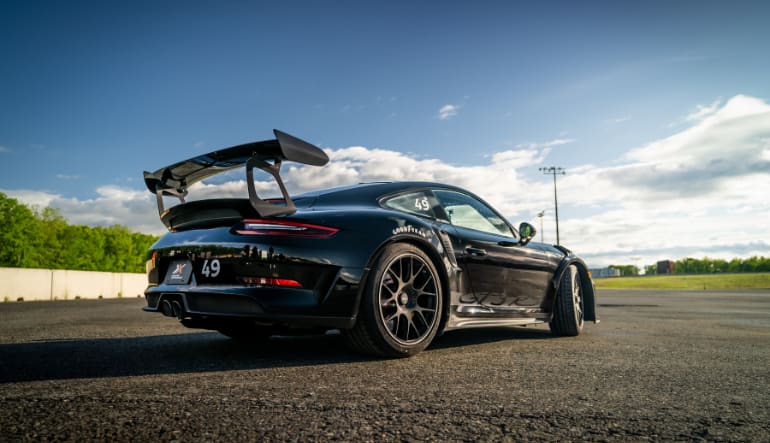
(166, 308)
(177, 309)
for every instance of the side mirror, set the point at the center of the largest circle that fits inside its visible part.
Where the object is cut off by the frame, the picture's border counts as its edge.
(526, 232)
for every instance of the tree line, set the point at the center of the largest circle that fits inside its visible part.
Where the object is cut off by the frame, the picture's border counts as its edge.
(704, 265)
(35, 238)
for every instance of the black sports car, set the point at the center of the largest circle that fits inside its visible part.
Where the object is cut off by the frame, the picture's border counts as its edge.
(391, 265)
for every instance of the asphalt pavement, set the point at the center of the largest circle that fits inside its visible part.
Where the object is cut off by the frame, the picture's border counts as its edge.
(660, 366)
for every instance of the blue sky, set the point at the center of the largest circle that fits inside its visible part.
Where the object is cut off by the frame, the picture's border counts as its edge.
(93, 93)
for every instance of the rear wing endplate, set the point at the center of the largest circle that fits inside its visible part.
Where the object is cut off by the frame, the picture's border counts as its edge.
(174, 180)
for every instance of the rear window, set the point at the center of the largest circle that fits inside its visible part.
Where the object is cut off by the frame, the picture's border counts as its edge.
(419, 203)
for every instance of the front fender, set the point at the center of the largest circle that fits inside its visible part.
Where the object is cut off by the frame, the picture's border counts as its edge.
(586, 285)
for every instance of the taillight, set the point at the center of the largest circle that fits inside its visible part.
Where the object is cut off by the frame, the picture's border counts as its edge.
(284, 228)
(152, 263)
(151, 268)
(270, 281)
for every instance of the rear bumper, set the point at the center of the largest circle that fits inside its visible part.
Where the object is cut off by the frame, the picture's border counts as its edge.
(291, 307)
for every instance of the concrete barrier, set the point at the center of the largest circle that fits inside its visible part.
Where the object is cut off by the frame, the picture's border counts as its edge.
(56, 284)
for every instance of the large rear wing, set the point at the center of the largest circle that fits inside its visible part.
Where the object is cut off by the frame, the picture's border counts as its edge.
(174, 180)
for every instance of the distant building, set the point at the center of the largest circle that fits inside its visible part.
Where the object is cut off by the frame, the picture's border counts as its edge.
(605, 272)
(665, 267)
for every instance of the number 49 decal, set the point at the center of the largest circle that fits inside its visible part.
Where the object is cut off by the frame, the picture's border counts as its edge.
(421, 204)
(211, 269)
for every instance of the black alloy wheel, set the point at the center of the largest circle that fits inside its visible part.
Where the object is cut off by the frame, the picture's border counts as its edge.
(568, 307)
(401, 311)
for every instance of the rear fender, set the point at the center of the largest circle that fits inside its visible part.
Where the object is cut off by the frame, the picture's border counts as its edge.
(429, 243)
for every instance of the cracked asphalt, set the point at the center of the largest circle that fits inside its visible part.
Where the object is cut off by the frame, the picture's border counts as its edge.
(661, 366)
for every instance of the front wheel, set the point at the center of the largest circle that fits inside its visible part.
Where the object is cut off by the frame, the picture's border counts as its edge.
(568, 307)
(401, 304)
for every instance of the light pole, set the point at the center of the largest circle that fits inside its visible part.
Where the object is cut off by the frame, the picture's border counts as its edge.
(540, 216)
(553, 170)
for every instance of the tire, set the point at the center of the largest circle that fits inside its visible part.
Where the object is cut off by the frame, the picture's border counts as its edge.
(401, 305)
(568, 308)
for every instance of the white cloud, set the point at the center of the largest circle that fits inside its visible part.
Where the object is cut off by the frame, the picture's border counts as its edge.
(520, 158)
(549, 144)
(448, 111)
(702, 111)
(701, 191)
(727, 144)
(494, 181)
(359, 164)
(38, 199)
(4, 149)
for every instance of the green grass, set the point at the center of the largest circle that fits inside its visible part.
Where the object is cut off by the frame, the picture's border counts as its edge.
(688, 282)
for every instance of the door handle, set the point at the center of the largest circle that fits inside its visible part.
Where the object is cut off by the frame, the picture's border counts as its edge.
(476, 252)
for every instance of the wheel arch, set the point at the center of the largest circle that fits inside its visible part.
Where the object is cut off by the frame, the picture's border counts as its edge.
(435, 256)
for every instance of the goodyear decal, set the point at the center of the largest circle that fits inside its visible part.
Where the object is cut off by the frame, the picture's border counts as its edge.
(409, 229)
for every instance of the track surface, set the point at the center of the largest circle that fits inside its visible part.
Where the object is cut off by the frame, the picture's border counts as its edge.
(660, 366)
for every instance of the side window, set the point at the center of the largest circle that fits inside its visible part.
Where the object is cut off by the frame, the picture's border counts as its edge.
(420, 203)
(467, 212)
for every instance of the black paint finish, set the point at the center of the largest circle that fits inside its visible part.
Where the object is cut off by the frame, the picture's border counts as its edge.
(488, 279)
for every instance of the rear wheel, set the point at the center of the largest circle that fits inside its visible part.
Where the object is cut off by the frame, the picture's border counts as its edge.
(568, 307)
(401, 305)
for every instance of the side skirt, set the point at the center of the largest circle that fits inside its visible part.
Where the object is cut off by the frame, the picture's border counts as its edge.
(482, 316)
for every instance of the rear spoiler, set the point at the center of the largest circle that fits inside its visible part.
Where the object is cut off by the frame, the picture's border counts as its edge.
(174, 180)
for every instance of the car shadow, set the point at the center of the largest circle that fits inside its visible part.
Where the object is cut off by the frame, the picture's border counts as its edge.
(468, 337)
(199, 352)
